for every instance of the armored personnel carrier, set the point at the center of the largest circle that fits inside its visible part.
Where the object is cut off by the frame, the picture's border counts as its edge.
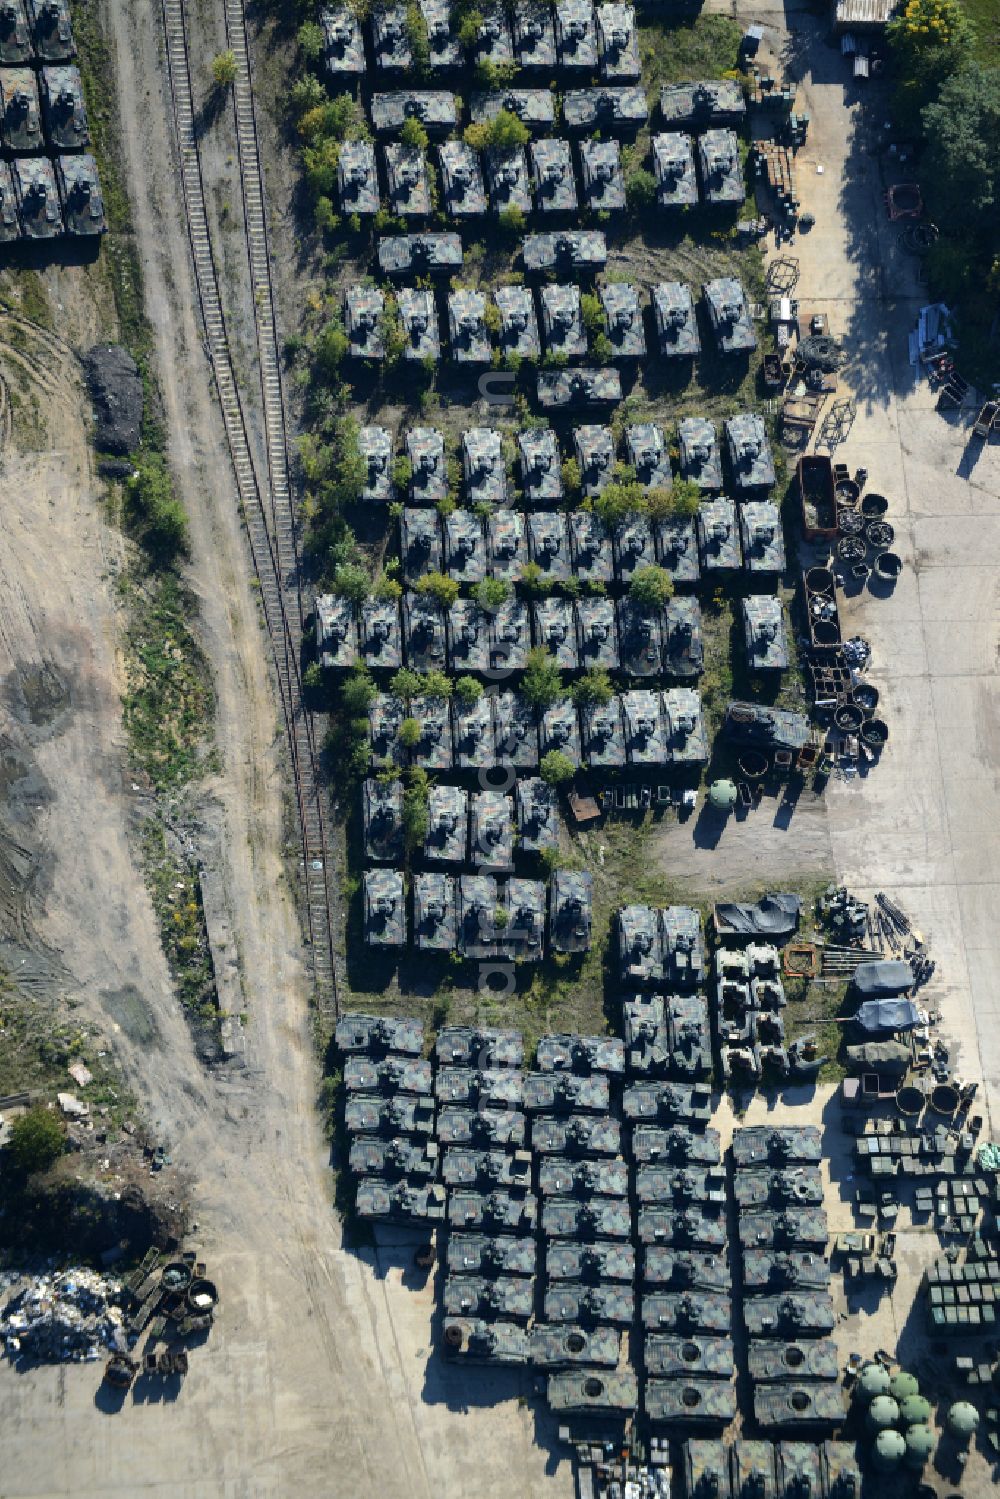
(698, 1354)
(633, 539)
(524, 935)
(559, 728)
(682, 1226)
(555, 630)
(479, 1046)
(505, 1296)
(343, 46)
(800, 1186)
(623, 110)
(482, 1127)
(647, 1047)
(788, 1269)
(382, 804)
(336, 632)
(470, 338)
(565, 389)
(554, 1346)
(559, 1177)
(683, 946)
(507, 179)
(683, 650)
(811, 1358)
(434, 912)
(677, 1144)
(576, 1135)
(475, 1254)
(472, 1341)
(379, 635)
(485, 1169)
(793, 1313)
(10, 228)
(701, 460)
(375, 448)
(595, 453)
(37, 198)
(552, 174)
(798, 1469)
(512, 1212)
(433, 750)
(399, 1202)
(686, 1403)
(763, 540)
(676, 548)
(537, 809)
(574, 250)
(749, 452)
(538, 449)
(676, 323)
(562, 321)
(602, 176)
(534, 36)
(753, 1470)
(385, 909)
(668, 1103)
(464, 547)
(617, 43)
(640, 636)
(565, 1091)
(764, 633)
(570, 911)
(596, 634)
(503, 1086)
(15, 38)
(507, 544)
(784, 1406)
(583, 1054)
(435, 109)
(771, 728)
(364, 309)
(623, 313)
(424, 632)
(721, 172)
(534, 107)
(409, 185)
(461, 180)
(687, 1311)
(516, 732)
(419, 254)
(493, 39)
(688, 1036)
(372, 1114)
(671, 1183)
(718, 536)
(62, 107)
(391, 40)
(673, 163)
(445, 48)
(685, 1269)
(576, 36)
(706, 1470)
(841, 1470)
(518, 324)
(51, 30)
(378, 1034)
(477, 904)
(589, 1263)
(793, 1227)
(510, 641)
(447, 825)
(644, 740)
(468, 629)
(600, 1218)
(603, 734)
(586, 1305)
(729, 315)
(548, 544)
(491, 830)
(357, 178)
(717, 102)
(418, 315)
(370, 1156)
(647, 452)
(472, 727)
(614, 1394)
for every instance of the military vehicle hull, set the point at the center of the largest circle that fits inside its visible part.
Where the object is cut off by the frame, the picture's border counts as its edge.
(687, 1404)
(809, 1359)
(784, 1407)
(685, 1269)
(793, 1313)
(698, 1355)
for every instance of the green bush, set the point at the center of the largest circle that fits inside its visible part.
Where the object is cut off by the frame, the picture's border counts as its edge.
(410, 733)
(651, 586)
(640, 189)
(351, 581)
(556, 768)
(505, 131)
(414, 134)
(37, 1140)
(542, 680)
(468, 691)
(592, 688)
(311, 41)
(440, 588)
(491, 593)
(153, 511)
(357, 693)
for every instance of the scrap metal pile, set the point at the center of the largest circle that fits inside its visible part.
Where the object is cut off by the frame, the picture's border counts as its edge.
(61, 1316)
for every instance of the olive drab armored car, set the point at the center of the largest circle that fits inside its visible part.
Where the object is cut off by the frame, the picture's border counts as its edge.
(560, 1177)
(491, 830)
(472, 726)
(63, 108)
(343, 47)
(685, 1269)
(418, 316)
(424, 632)
(507, 179)
(791, 1227)
(364, 311)
(618, 43)
(436, 110)
(407, 181)
(375, 448)
(590, 547)
(484, 1169)
(537, 810)
(515, 731)
(518, 323)
(643, 719)
(534, 107)
(555, 1346)
(575, 250)
(504, 1296)
(764, 633)
(507, 547)
(510, 641)
(772, 1362)
(581, 1054)
(701, 459)
(683, 649)
(389, 1074)
(570, 910)
(80, 194)
(476, 1254)
(443, 44)
(719, 536)
(623, 317)
(749, 453)
(357, 178)
(554, 629)
(706, 1469)
(15, 36)
(677, 548)
(729, 315)
(467, 330)
(462, 180)
(589, 1264)
(391, 40)
(383, 821)
(51, 30)
(721, 169)
(375, 1114)
(697, 1354)
(683, 1146)
(576, 36)
(399, 1202)
(552, 174)
(493, 39)
(428, 472)
(597, 634)
(384, 908)
(545, 1092)
(524, 935)
(576, 1135)
(562, 321)
(380, 638)
(499, 1211)
(688, 1402)
(762, 537)
(579, 1304)
(482, 1127)
(534, 36)
(548, 544)
(10, 227)
(569, 388)
(472, 1341)
(37, 198)
(717, 102)
(602, 176)
(676, 323)
(600, 1218)
(434, 927)
(622, 110)
(372, 1156)
(336, 632)
(673, 163)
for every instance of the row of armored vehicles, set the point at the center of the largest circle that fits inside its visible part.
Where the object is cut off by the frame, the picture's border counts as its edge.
(36, 32)
(572, 37)
(752, 1468)
(42, 111)
(477, 915)
(482, 827)
(470, 321)
(641, 728)
(43, 199)
(749, 998)
(539, 471)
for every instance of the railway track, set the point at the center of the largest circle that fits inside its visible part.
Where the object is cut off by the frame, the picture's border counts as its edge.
(265, 501)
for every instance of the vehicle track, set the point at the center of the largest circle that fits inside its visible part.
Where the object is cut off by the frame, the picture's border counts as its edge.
(266, 507)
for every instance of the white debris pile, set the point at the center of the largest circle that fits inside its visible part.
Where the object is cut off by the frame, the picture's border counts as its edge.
(61, 1317)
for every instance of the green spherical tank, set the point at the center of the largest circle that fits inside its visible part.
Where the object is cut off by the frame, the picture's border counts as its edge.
(872, 1382)
(722, 795)
(963, 1420)
(903, 1385)
(919, 1443)
(888, 1450)
(882, 1412)
(915, 1410)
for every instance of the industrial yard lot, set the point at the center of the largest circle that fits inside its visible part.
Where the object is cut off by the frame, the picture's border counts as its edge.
(321, 1375)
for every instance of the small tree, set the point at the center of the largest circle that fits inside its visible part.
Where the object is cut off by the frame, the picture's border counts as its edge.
(440, 588)
(505, 131)
(414, 134)
(37, 1139)
(685, 497)
(415, 808)
(592, 313)
(533, 580)
(435, 683)
(592, 688)
(311, 41)
(640, 190)
(651, 586)
(224, 69)
(617, 501)
(491, 593)
(557, 768)
(542, 681)
(468, 691)
(357, 693)
(410, 733)
(405, 684)
(499, 918)
(351, 581)
(572, 479)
